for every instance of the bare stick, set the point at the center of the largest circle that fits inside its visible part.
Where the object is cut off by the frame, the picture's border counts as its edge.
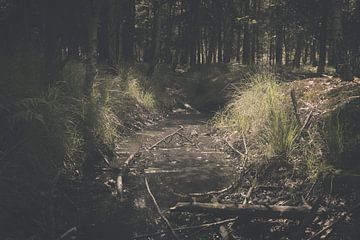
(73, 229)
(244, 141)
(295, 105)
(205, 225)
(234, 149)
(159, 211)
(233, 185)
(252, 211)
(166, 137)
(124, 172)
(343, 216)
(248, 195)
(307, 120)
(187, 139)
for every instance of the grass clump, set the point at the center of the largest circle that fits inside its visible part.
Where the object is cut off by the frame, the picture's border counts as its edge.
(261, 110)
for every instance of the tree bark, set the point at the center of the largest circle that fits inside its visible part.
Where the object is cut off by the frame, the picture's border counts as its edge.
(156, 41)
(323, 37)
(279, 42)
(246, 40)
(251, 211)
(298, 50)
(92, 42)
(128, 30)
(341, 61)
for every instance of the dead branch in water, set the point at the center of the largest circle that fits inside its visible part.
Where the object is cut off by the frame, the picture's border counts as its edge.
(233, 185)
(205, 225)
(330, 226)
(159, 211)
(166, 137)
(252, 211)
(124, 172)
(64, 235)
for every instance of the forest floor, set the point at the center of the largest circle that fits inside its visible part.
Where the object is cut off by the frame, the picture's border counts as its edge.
(181, 178)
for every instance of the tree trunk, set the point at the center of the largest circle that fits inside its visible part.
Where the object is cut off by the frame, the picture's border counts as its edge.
(128, 30)
(219, 29)
(92, 42)
(341, 61)
(113, 10)
(323, 37)
(156, 41)
(244, 210)
(298, 50)
(279, 42)
(313, 59)
(246, 40)
(228, 31)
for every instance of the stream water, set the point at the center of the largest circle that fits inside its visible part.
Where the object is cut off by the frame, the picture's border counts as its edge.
(185, 163)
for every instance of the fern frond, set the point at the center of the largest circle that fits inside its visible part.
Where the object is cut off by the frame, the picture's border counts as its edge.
(24, 117)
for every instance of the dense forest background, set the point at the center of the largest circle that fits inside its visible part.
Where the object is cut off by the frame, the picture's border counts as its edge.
(78, 75)
(184, 32)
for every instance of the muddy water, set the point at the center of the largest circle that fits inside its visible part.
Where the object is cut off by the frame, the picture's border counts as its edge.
(173, 168)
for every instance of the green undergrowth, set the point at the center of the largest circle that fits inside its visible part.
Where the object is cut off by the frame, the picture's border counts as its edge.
(317, 135)
(43, 139)
(260, 110)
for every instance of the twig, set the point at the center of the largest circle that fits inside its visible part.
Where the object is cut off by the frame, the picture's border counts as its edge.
(73, 229)
(343, 216)
(159, 211)
(298, 235)
(234, 149)
(124, 171)
(205, 225)
(248, 195)
(187, 139)
(311, 189)
(244, 141)
(233, 185)
(306, 122)
(295, 105)
(166, 137)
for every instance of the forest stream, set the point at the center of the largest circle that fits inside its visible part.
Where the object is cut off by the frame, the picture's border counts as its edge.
(184, 163)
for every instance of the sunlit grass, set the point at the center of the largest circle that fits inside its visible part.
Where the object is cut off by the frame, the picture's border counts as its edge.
(262, 110)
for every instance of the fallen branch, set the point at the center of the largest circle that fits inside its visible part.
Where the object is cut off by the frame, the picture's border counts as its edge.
(299, 234)
(306, 122)
(343, 216)
(234, 149)
(124, 172)
(187, 139)
(295, 105)
(253, 211)
(205, 225)
(64, 235)
(245, 145)
(233, 185)
(166, 137)
(159, 211)
(248, 195)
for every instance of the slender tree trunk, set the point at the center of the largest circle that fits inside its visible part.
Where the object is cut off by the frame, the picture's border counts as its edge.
(92, 43)
(128, 30)
(323, 37)
(228, 31)
(246, 40)
(52, 43)
(279, 43)
(113, 10)
(298, 50)
(313, 59)
(156, 38)
(218, 5)
(341, 59)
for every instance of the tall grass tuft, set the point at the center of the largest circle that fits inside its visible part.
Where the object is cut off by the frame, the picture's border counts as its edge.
(261, 110)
